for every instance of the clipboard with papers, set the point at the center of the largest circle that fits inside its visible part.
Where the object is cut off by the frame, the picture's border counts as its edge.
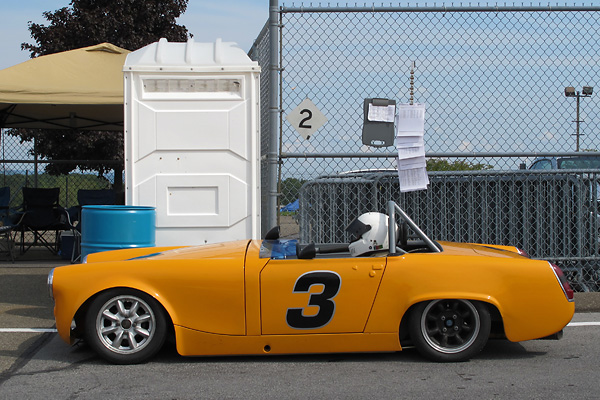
(378, 124)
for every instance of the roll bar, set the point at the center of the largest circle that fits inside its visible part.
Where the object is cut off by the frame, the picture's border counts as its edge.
(393, 208)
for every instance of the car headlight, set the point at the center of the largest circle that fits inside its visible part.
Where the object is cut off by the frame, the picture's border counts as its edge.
(50, 283)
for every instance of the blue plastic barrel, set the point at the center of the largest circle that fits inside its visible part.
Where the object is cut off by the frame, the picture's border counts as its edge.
(116, 227)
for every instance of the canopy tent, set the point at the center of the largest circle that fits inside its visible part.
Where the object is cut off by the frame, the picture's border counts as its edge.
(76, 89)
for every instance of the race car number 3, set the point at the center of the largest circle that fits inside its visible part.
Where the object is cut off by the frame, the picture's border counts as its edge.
(331, 283)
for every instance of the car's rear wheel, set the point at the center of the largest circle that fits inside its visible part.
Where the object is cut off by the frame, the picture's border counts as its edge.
(450, 330)
(125, 326)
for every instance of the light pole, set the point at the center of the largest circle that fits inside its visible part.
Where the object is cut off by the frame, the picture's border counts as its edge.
(585, 92)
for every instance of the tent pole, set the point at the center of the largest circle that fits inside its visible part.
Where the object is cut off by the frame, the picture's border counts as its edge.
(35, 161)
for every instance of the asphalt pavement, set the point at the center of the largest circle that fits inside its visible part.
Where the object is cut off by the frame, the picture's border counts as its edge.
(536, 369)
(26, 310)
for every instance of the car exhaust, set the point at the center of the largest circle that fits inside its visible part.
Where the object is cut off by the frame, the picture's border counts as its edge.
(555, 336)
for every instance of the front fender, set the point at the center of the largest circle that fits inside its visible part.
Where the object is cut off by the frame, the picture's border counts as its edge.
(206, 295)
(68, 303)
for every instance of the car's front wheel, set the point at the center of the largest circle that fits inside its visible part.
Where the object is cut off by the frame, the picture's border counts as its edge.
(125, 326)
(450, 330)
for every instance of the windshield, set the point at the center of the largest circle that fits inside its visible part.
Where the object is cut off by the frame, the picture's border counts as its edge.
(579, 163)
(278, 249)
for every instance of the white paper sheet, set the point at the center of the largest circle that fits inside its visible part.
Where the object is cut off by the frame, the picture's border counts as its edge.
(413, 179)
(409, 141)
(410, 127)
(411, 163)
(410, 118)
(409, 133)
(381, 113)
(410, 152)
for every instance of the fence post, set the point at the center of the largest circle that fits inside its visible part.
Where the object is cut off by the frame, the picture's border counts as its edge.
(272, 156)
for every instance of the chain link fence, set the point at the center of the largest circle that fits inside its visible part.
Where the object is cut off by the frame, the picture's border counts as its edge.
(20, 169)
(493, 79)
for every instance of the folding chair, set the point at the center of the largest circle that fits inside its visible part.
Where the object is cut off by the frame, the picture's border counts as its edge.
(42, 214)
(7, 227)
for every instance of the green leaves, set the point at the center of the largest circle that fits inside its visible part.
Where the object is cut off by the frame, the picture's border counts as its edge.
(438, 164)
(130, 24)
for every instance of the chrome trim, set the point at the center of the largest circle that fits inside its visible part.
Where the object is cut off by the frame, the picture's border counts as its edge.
(50, 283)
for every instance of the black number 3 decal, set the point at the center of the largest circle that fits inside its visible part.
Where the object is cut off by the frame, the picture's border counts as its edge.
(331, 286)
(303, 123)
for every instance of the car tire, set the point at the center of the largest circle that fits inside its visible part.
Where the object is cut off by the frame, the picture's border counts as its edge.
(450, 330)
(125, 326)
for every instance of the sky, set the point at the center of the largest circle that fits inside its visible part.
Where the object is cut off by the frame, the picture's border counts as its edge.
(237, 21)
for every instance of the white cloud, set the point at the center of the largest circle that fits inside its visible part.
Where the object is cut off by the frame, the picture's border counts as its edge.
(546, 136)
(232, 21)
(465, 145)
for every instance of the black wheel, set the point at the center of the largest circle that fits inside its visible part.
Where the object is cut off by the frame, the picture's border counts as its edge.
(125, 326)
(450, 330)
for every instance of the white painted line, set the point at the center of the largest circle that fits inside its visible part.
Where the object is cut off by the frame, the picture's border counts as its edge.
(583, 324)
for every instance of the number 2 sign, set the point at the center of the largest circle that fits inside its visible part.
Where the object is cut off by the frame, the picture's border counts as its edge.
(306, 118)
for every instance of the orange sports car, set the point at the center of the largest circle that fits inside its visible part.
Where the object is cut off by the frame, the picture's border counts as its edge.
(276, 296)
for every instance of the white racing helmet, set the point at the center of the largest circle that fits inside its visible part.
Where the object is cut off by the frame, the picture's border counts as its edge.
(369, 234)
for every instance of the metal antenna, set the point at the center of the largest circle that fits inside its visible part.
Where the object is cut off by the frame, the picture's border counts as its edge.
(413, 65)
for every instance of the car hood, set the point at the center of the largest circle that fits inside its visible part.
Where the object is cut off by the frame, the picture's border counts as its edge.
(226, 250)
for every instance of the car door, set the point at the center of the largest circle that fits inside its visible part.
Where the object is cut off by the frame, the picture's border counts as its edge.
(320, 295)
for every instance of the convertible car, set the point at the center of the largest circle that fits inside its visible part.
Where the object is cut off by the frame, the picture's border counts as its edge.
(276, 296)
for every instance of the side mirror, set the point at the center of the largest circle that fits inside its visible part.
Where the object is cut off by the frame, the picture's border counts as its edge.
(273, 233)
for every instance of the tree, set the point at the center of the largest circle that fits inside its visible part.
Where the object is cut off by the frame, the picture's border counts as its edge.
(290, 190)
(436, 164)
(130, 24)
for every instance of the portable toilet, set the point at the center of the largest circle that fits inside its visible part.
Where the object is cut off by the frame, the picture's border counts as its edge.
(192, 146)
